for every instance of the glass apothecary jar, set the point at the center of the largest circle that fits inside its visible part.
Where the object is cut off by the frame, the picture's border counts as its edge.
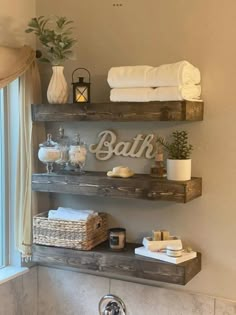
(48, 153)
(77, 154)
(63, 145)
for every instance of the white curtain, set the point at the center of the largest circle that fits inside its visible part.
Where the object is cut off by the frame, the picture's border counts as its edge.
(14, 63)
(26, 203)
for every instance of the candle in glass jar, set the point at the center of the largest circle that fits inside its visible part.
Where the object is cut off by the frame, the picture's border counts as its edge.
(117, 238)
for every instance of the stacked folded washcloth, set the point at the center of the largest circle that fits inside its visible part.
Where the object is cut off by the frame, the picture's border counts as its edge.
(71, 214)
(177, 81)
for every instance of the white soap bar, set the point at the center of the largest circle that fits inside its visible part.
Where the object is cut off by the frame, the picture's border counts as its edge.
(165, 235)
(156, 235)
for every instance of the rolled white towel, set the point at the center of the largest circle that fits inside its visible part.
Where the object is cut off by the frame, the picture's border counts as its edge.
(129, 76)
(176, 93)
(173, 93)
(71, 214)
(174, 74)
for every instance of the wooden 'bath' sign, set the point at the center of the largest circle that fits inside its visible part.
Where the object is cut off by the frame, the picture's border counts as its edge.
(108, 146)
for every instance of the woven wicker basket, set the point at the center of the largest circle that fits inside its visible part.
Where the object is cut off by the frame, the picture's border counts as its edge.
(83, 235)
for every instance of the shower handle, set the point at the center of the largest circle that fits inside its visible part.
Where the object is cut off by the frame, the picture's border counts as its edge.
(111, 305)
(112, 308)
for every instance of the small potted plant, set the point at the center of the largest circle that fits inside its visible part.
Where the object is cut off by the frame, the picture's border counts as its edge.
(178, 155)
(55, 36)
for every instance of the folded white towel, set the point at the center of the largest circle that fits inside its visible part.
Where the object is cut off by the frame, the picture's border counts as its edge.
(71, 214)
(71, 210)
(175, 74)
(173, 93)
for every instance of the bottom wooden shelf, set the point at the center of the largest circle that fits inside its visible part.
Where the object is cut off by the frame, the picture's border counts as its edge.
(124, 263)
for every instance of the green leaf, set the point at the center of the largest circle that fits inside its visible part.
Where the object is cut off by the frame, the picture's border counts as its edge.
(68, 22)
(44, 60)
(29, 30)
(61, 21)
(33, 23)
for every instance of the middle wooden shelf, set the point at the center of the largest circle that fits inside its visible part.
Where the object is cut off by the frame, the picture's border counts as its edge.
(140, 186)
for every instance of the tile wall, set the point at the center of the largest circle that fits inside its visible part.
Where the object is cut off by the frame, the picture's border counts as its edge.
(48, 291)
(19, 296)
(71, 293)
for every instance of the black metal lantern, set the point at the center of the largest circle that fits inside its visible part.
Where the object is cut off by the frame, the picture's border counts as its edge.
(81, 89)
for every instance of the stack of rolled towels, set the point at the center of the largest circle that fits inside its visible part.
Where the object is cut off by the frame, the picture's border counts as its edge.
(71, 214)
(170, 82)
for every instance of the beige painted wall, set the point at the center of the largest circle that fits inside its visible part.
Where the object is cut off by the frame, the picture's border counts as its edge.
(155, 32)
(14, 16)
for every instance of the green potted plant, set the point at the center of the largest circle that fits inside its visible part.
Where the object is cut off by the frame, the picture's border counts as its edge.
(55, 37)
(178, 155)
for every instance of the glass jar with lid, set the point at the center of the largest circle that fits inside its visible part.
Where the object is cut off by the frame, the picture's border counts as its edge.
(63, 145)
(48, 153)
(77, 154)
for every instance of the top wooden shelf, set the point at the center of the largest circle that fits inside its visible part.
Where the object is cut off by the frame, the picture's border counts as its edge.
(120, 111)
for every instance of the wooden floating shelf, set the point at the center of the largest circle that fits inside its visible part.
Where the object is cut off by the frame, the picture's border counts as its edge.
(140, 186)
(120, 111)
(124, 263)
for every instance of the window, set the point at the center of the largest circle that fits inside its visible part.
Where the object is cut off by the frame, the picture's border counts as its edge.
(2, 184)
(9, 100)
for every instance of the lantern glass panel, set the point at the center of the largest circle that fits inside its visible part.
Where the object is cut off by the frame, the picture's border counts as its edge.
(81, 94)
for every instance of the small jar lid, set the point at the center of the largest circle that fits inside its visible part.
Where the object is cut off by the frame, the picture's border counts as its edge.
(76, 140)
(49, 143)
(118, 229)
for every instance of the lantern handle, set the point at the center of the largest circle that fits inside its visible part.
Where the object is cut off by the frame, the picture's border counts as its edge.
(80, 69)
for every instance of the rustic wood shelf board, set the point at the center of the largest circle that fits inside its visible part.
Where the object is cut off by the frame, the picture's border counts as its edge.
(124, 263)
(120, 111)
(141, 186)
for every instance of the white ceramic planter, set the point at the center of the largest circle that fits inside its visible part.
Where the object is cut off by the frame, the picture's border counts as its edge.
(179, 169)
(57, 92)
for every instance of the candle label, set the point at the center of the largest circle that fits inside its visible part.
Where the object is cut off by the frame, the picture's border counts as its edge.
(114, 240)
(107, 146)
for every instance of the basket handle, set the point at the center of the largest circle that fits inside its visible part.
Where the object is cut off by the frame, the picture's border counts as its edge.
(98, 223)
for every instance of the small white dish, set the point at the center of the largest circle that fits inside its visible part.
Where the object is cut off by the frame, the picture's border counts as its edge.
(155, 246)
